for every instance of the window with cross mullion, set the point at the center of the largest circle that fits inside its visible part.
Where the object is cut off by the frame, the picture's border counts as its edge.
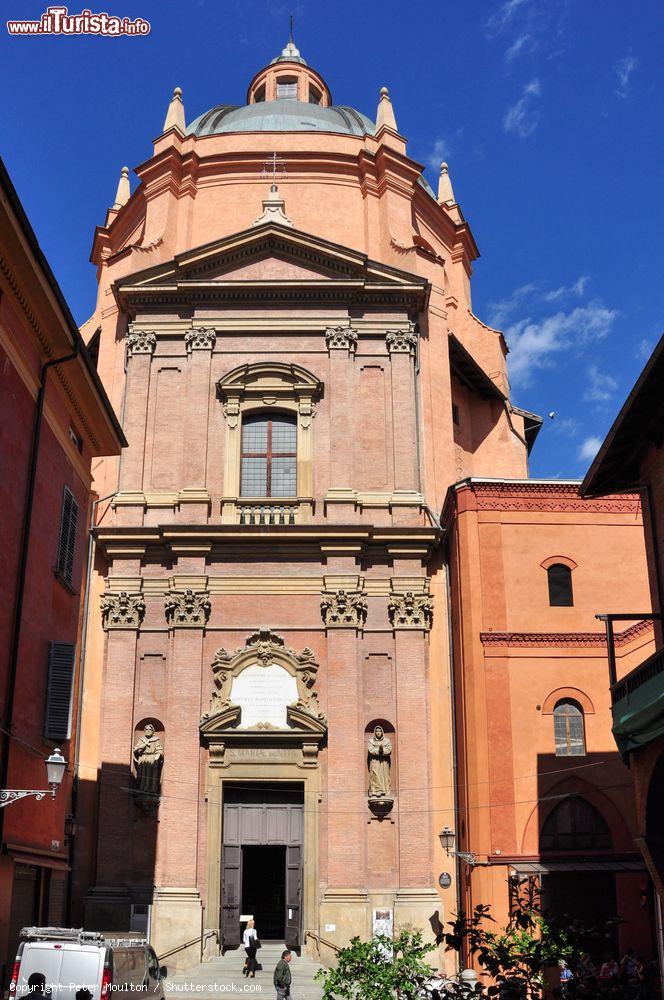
(269, 456)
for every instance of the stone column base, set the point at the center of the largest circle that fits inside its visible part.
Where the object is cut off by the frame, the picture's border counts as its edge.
(177, 923)
(348, 912)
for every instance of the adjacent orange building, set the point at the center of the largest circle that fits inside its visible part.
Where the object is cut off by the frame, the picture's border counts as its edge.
(54, 419)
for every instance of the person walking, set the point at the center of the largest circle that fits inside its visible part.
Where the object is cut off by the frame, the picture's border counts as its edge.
(250, 942)
(282, 976)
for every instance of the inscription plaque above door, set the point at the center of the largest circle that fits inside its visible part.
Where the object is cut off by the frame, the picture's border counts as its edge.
(265, 689)
(263, 695)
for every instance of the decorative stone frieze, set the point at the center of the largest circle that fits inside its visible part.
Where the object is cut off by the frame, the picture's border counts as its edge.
(410, 610)
(122, 610)
(401, 341)
(140, 342)
(200, 339)
(187, 608)
(342, 338)
(343, 610)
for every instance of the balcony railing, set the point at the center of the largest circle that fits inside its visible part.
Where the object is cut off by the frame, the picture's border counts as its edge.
(267, 513)
(638, 677)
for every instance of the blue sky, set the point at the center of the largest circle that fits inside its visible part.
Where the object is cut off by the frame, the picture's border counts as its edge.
(549, 113)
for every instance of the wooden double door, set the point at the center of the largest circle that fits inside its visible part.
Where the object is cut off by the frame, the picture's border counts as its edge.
(261, 861)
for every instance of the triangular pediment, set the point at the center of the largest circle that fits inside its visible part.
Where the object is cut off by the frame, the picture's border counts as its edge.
(270, 256)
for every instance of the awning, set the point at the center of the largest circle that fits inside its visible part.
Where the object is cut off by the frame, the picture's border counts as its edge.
(36, 858)
(550, 867)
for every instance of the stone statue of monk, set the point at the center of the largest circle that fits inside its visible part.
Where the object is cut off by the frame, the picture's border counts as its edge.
(379, 749)
(148, 756)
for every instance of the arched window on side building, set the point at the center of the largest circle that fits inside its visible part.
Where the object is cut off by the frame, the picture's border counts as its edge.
(561, 594)
(568, 729)
(574, 825)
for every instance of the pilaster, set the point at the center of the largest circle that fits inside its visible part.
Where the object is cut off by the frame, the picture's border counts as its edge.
(140, 346)
(343, 613)
(402, 345)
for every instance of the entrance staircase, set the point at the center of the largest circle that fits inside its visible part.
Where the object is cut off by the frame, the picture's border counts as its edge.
(225, 971)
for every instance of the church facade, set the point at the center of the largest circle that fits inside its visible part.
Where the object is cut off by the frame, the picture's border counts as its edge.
(272, 716)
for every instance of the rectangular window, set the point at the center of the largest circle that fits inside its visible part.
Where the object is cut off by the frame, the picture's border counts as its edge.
(57, 722)
(269, 456)
(67, 543)
(287, 90)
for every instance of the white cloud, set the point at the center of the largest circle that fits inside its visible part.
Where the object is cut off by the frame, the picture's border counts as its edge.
(565, 291)
(502, 310)
(532, 342)
(624, 70)
(589, 448)
(644, 350)
(522, 43)
(568, 426)
(522, 117)
(439, 152)
(504, 15)
(601, 388)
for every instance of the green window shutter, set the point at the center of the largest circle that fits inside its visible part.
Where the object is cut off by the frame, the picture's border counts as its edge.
(57, 723)
(67, 540)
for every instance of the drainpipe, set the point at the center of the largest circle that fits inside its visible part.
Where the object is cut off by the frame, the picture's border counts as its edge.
(8, 718)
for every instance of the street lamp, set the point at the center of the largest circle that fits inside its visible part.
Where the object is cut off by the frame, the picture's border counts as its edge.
(55, 769)
(446, 837)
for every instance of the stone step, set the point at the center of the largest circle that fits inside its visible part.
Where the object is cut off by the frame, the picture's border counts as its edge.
(225, 971)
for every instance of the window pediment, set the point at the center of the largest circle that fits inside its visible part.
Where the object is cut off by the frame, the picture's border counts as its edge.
(269, 382)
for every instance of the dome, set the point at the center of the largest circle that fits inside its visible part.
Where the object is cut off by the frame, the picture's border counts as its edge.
(281, 116)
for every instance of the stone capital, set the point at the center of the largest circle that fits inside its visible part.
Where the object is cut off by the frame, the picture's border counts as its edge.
(140, 342)
(200, 339)
(341, 338)
(122, 610)
(410, 611)
(187, 608)
(342, 609)
(403, 341)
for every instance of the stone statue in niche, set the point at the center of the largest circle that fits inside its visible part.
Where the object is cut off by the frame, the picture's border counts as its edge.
(148, 758)
(379, 751)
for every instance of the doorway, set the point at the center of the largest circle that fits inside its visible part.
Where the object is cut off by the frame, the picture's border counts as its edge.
(264, 888)
(587, 896)
(262, 860)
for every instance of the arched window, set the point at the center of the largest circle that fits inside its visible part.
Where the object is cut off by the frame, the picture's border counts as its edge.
(560, 586)
(568, 729)
(269, 455)
(575, 825)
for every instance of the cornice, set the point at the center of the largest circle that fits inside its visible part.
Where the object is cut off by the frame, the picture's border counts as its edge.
(590, 640)
(532, 496)
(214, 540)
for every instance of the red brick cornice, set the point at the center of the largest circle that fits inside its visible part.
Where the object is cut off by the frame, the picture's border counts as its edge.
(575, 639)
(547, 497)
(527, 495)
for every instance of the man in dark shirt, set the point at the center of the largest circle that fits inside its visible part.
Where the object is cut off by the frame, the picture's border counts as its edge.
(282, 976)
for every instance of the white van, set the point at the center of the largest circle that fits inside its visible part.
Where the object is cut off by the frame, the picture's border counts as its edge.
(59, 963)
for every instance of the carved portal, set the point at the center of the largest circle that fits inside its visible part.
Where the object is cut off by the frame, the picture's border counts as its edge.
(122, 610)
(140, 342)
(341, 338)
(290, 675)
(148, 759)
(200, 339)
(401, 341)
(343, 610)
(410, 610)
(187, 608)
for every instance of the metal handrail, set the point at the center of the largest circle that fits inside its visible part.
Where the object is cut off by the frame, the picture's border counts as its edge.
(639, 675)
(187, 944)
(321, 940)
